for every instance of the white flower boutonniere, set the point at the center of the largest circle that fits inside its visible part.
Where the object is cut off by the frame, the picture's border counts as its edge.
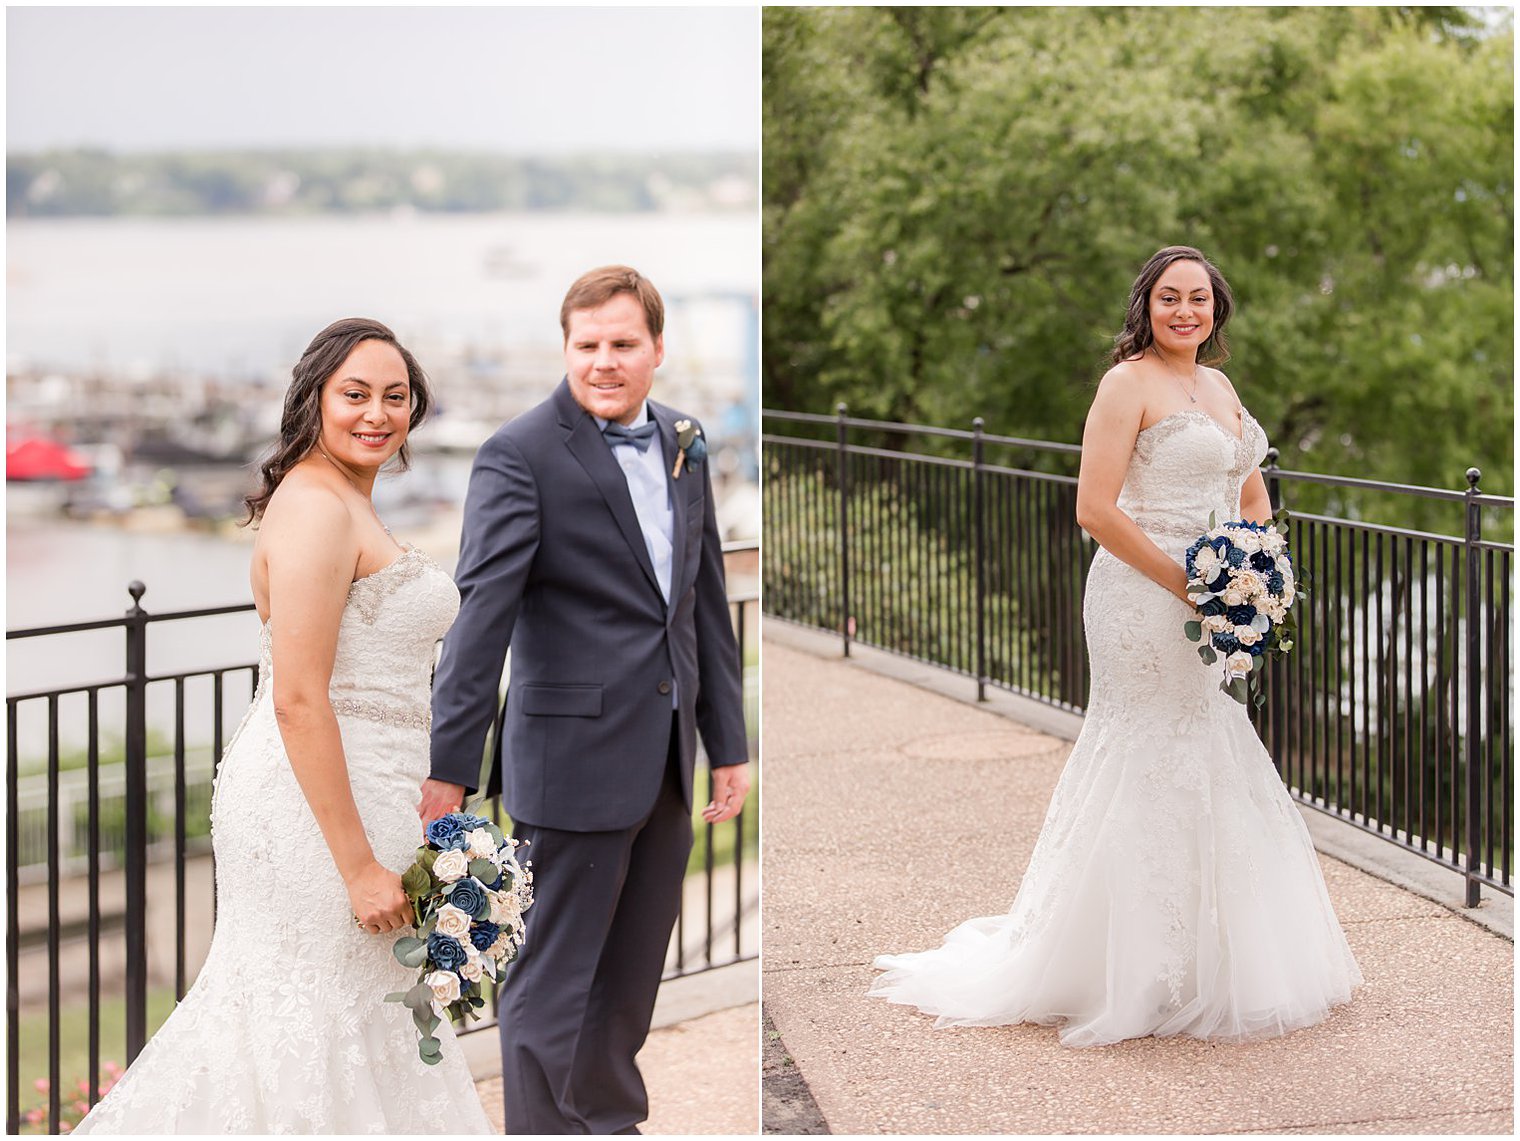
(693, 449)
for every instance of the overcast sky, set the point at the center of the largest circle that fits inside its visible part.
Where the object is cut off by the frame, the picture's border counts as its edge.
(524, 80)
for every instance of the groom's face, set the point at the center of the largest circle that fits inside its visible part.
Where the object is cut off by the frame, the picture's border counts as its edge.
(610, 358)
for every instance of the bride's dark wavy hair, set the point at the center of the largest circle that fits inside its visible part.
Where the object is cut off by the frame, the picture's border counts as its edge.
(301, 422)
(1136, 336)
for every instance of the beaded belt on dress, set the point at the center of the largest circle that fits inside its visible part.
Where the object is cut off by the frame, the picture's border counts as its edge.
(1171, 528)
(402, 716)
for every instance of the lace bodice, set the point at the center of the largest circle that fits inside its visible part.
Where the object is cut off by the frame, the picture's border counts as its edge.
(1185, 466)
(382, 670)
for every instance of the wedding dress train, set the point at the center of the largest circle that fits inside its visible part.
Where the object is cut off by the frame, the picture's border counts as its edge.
(1174, 888)
(285, 1029)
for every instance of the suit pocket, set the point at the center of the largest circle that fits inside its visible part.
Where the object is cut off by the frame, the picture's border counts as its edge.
(544, 700)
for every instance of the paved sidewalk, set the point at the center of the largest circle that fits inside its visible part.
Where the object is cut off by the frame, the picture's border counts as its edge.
(893, 813)
(702, 1076)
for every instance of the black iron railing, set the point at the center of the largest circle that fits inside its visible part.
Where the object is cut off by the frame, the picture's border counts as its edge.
(1393, 713)
(131, 816)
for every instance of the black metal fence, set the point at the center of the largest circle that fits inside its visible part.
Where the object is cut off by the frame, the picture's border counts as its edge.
(120, 818)
(1393, 713)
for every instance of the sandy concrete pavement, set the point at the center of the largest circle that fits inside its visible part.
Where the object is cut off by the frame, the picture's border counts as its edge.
(893, 813)
(702, 1075)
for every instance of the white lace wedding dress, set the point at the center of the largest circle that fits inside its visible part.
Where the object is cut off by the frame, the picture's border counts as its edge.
(285, 1029)
(1173, 888)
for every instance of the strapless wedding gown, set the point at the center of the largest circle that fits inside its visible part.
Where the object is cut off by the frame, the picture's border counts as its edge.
(1174, 888)
(285, 1029)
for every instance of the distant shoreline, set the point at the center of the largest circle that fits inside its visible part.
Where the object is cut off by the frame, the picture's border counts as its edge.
(296, 182)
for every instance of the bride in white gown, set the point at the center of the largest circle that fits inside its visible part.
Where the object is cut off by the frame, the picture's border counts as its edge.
(1174, 888)
(315, 811)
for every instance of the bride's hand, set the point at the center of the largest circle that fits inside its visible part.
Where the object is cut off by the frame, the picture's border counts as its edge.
(380, 905)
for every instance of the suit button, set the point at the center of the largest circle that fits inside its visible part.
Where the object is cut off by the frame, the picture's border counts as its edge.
(665, 687)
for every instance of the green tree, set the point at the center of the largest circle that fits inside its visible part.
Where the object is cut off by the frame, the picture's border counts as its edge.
(956, 201)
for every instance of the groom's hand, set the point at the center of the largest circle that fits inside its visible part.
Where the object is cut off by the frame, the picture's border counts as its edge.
(439, 798)
(730, 785)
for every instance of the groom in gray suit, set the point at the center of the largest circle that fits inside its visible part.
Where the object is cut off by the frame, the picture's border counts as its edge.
(590, 547)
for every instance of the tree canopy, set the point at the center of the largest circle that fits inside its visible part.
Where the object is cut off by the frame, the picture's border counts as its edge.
(956, 201)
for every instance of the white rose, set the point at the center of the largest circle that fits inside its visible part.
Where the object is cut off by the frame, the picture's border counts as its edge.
(450, 866)
(453, 921)
(1234, 596)
(1246, 636)
(1272, 543)
(481, 844)
(1238, 664)
(1248, 541)
(1216, 623)
(471, 968)
(444, 985)
(1205, 561)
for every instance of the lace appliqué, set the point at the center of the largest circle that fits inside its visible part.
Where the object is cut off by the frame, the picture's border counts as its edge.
(368, 594)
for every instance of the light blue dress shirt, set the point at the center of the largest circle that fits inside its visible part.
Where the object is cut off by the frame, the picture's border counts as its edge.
(650, 490)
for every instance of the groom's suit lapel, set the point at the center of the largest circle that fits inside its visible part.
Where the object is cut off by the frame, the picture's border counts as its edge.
(591, 451)
(680, 490)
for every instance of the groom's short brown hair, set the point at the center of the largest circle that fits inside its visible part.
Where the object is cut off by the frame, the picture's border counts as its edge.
(598, 286)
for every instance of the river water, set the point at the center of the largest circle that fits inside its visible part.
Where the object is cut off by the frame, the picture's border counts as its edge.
(240, 296)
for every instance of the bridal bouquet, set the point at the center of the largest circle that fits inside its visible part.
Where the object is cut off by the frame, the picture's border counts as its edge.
(1242, 578)
(468, 894)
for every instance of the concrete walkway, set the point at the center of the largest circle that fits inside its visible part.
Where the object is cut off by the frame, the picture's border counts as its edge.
(893, 813)
(699, 1062)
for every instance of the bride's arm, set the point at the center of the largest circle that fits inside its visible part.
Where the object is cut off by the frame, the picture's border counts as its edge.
(311, 550)
(1255, 503)
(1108, 441)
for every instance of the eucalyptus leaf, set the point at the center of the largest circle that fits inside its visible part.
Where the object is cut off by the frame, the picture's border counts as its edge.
(416, 882)
(420, 997)
(1237, 689)
(1257, 663)
(410, 951)
(1193, 630)
(1208, 655)
(396, 996)
(483, 870)
(1261, 623)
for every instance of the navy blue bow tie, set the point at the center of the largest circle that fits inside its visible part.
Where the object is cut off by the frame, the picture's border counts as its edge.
(639, 437)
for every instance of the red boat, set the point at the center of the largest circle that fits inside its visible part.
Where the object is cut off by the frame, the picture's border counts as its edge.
(31, 458)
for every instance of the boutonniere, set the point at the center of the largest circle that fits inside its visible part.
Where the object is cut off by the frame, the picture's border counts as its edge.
(693, 449)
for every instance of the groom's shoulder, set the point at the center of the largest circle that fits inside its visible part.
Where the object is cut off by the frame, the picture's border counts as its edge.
(528, 429)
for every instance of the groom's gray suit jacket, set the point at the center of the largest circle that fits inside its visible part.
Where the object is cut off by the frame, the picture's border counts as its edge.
(553, 563)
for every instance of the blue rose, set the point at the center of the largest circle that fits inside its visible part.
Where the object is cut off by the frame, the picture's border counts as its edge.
(445, 833)
(1258, 648)
(1235, 556)
(1275, 583)
(469, 895)
(1240, 615)
(1225, 643)
(696, 451)
(1221, 544)
(446, 952)
(1221, 580)
(470, 823)
(483, 934)
(1262, 562)
(1212, 607)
